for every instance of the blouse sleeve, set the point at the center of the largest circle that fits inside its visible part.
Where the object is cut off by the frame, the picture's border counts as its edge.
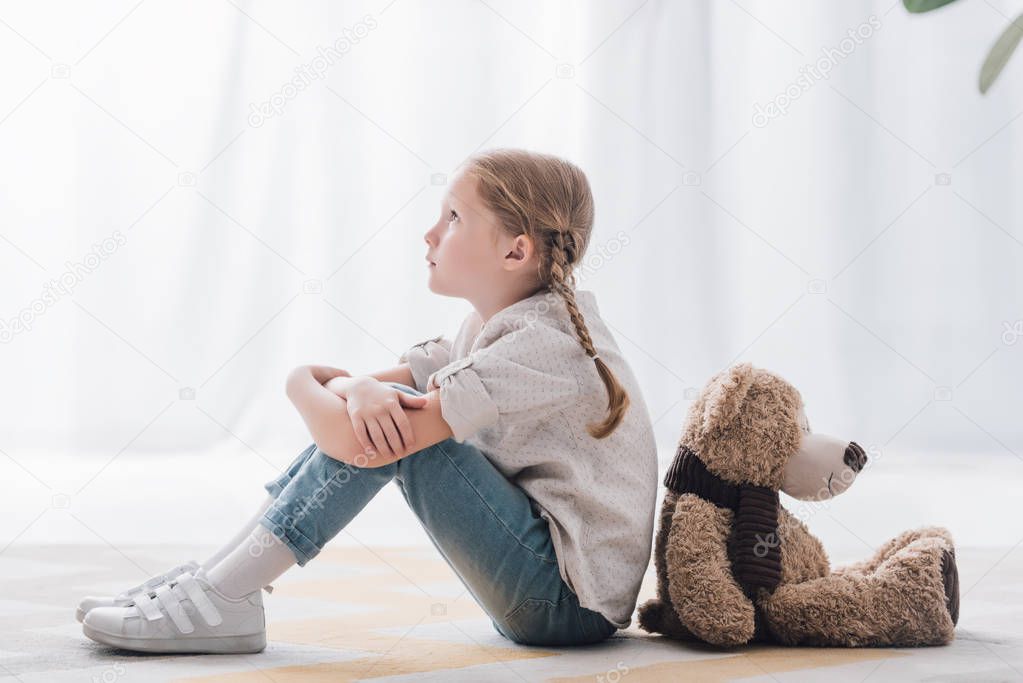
(522, 376)
(426, 357)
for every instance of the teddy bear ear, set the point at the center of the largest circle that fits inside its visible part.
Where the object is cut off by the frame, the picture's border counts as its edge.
(724, 395)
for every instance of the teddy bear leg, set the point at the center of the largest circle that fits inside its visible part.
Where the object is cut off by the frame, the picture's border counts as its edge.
(894, 545)
(910, 599)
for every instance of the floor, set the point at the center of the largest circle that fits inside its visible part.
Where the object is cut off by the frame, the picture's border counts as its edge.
(380, 604)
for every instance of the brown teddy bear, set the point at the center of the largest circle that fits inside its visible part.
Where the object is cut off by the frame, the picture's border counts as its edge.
(734, 566)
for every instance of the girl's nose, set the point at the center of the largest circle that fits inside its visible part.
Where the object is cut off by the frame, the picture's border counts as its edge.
(429, 237)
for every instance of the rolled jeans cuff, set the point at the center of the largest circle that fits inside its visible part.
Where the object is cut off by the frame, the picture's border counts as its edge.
(281, 525)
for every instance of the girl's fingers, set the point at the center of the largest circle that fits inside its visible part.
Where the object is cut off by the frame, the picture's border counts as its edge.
(379, 442)
(391, 432)
(362, 434)
(410, 401)
(404, 427)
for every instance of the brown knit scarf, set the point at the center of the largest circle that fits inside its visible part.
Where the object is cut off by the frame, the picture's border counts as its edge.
(757, 558)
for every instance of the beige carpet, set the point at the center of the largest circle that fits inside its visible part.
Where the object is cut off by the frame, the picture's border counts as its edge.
(399, 613)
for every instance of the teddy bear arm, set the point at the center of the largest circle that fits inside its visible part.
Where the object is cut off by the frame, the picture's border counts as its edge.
(657, 615)
(703, 591)
(661, 543)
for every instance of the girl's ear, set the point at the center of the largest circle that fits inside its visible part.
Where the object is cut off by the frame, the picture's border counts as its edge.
(519, 251)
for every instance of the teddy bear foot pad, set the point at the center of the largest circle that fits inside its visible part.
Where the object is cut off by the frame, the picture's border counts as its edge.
(950, 577)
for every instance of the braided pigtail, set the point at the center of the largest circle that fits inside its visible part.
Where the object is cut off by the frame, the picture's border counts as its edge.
(549, 200)
(562, 281)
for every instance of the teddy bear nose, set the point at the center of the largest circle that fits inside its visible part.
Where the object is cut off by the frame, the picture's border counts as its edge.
(855, 457)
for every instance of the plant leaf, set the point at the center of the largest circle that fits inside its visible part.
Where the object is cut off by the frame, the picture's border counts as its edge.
(918, 6)
(1000, 52)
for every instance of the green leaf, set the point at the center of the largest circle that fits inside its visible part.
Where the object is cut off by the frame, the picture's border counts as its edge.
(918, 6)
(1000, 53)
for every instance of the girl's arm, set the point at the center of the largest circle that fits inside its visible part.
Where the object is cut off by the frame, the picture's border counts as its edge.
(326, 415)
(401, 374)
(377, 415)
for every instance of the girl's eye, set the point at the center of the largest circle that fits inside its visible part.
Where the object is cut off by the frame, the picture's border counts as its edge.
(452, 215)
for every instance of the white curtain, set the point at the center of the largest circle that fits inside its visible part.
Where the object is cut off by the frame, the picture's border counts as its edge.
(865, 243)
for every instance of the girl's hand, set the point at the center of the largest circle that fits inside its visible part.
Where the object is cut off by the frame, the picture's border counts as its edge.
(379, 422)
(340, 385)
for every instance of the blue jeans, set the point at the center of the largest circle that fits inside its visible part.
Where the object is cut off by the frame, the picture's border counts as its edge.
(482, 524)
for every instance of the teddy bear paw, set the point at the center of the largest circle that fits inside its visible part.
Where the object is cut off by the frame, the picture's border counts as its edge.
(658, 616)
(650, 615)
(950, 579)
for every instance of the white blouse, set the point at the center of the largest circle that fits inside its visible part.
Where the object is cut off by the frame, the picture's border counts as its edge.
(522, 390)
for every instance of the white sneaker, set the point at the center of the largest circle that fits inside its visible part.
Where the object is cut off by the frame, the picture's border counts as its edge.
(124, 598)
(187, 614)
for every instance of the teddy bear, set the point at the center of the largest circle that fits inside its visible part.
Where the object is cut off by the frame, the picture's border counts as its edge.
(734, 566)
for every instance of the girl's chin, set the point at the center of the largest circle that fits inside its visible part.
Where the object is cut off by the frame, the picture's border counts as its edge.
(438, 287)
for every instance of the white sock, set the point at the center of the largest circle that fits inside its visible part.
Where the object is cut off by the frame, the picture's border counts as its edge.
(239, 537)
(254, 563)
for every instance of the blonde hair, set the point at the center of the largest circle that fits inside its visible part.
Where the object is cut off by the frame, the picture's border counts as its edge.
(548, 199)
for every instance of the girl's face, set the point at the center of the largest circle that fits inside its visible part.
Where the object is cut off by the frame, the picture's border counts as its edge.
(465, 250)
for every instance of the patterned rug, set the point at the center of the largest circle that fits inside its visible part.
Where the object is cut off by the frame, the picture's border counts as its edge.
(400, 614)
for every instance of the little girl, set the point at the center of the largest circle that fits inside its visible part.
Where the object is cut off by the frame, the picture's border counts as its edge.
(523, 444)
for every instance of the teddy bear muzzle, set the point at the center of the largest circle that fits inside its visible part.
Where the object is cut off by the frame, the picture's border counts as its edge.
(823, 467)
